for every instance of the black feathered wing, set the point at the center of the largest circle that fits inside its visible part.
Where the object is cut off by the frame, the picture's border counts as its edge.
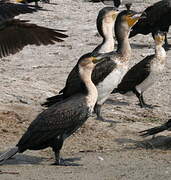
(10, 10)
(15, 34)
(74, 84)
(135, 76)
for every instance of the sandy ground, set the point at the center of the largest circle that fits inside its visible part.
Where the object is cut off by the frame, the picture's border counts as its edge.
(99, 150)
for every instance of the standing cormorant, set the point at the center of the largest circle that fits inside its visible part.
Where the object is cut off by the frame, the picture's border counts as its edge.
(55, 124)
(145, 73)
(107, 74)
(105, 26)
(158, 129)
(158, 18)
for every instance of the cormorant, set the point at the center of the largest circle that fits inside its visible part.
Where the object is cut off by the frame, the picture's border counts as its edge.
(158, 18)
(107, 74)
(105, 26)
(145, 73)
(158, 129)
(55, 124)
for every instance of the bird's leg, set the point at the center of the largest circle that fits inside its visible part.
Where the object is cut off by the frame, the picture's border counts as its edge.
(56, 148)
(97, 110)
(141, 99)
(144, 105)
(36, 5)
(166, 44)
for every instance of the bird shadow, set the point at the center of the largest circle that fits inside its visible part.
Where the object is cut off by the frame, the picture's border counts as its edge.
(71, 161)
(159, 142)
(24, 159)
(33, 160)
(119, 103)
(139, 46)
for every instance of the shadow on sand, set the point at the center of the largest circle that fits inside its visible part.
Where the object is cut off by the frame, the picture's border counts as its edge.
(22, 159)
(159, 142)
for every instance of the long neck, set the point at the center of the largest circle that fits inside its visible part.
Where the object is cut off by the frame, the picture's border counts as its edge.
(108, 41)
(121, 34)
(91, 97)
(160, 52)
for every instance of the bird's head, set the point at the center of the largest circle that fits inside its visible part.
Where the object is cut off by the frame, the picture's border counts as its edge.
(159, 37)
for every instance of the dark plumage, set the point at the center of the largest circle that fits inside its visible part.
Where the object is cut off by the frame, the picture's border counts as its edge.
(15, 34)
(145, 73)
(54, 125)
(30, 1)
(158, 18)
(10, 10)
(158, 129)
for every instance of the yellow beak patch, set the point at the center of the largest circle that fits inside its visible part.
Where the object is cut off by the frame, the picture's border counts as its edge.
(131, 20)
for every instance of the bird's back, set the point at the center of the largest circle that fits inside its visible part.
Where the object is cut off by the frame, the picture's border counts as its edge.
(63, 118)
(157, 17)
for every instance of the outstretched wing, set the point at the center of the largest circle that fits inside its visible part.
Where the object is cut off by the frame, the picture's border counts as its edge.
(15, 34)
(137, 74)
(10, 10)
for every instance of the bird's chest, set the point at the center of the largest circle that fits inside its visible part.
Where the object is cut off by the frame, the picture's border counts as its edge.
(111, 81)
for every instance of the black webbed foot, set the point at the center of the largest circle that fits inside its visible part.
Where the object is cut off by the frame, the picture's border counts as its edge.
(63, 162)
(149, 106)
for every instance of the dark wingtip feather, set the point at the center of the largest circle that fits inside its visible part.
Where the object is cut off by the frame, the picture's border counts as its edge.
(152, 131)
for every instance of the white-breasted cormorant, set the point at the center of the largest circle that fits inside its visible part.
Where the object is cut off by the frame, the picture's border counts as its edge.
(145, 73)
(107, 74)
(55, 124)
(158, 18)
(158, 129)
(105, 26)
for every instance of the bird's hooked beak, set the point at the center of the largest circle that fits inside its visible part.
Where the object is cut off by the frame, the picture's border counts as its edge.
(115, 13)
(133, 18)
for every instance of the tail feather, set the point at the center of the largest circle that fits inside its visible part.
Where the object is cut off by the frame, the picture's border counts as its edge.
(52, 100)
(8, 154)
(152, 131)
(158, 129)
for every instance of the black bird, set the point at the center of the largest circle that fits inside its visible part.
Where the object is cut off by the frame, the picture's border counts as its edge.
(107, 74)
(158, 129)
(55, 124)
(145, 73)
(158, 18)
